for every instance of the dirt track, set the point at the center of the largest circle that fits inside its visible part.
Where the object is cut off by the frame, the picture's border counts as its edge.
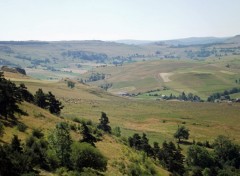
(165, 76)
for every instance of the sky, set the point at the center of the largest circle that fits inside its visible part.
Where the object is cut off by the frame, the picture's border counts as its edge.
(53, 20)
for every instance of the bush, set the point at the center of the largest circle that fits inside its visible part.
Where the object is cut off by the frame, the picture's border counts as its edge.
(85, 155)
(53, 160)
(1, 129)
(22, 127)
(37, 133)
(76, 120)
(62, 171)
(135, 170)
(73, 127)
(117, 131)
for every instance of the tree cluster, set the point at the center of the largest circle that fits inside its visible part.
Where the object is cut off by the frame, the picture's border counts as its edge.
(48, 101)
(223, 160)
(57, 151)
(85, 55)
(225, 94)
(169, 155)
(96, 77)
(184, 97)
(10, 97)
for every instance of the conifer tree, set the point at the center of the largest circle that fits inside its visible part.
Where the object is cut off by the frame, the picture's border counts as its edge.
(40, 99)
(54, 105)
(103, 125)
(87, 136)
(25, 94)
(9, 98)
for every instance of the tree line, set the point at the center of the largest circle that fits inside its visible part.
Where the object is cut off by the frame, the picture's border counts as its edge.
(184, 97)
(12, 95)
(222, 160)
(225, 94)
(85, 55)
(56, 152)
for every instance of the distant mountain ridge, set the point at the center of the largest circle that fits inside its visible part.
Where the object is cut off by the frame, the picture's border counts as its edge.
(235, 39)
(184, 41)
(134, 42)
(195, 41)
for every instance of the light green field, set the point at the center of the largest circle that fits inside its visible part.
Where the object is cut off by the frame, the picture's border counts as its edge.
(159, 119)
(198, 77)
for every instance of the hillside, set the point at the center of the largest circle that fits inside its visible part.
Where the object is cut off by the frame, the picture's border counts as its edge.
(235, 39)
(57, 59)
(40, 119)
(159, 120)
(169, 76)
(131, 115)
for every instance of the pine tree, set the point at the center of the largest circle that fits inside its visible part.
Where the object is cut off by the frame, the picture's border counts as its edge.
(156, 150)
(40, 99)
(87, 136)
(172, 158)
(25, 94)
(54, 105)
(145, 145)
(16, 144)
(9, 98)
(103, 125)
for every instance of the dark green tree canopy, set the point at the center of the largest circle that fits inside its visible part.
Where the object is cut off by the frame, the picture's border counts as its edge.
(85, 155)
(25, 94)
(199, 156)
(48, 101)
(60, 141)
(87, 136)
(9, 98)
(54, 105)
(104, 121)
(40, 99)
(182, 133)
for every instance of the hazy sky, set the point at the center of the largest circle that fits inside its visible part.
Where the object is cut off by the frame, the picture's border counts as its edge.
(117, 19)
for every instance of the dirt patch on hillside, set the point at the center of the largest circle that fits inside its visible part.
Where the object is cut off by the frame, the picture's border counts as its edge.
(165, 76)
(147, 125)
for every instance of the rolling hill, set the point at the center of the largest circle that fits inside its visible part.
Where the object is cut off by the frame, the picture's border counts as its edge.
(158, 120)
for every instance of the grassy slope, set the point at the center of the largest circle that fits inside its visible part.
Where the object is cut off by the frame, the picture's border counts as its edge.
(42, 119)
(145, 116)
(158, 119)
(199, 77)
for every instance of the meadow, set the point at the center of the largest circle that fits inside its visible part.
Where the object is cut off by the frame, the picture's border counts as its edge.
(198, 77)
(159, 119)
(143, 113)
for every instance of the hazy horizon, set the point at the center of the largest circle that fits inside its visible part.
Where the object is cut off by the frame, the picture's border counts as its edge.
(111, 20)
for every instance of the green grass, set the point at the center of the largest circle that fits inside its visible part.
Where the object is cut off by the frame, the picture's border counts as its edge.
(201, 78)
(158, 119)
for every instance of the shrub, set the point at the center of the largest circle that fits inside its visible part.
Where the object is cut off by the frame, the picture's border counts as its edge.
(85, 155)
(53, 160)
(77, 120)
(37, 133)
(22, 127)
(62, 171)
(117, 131)
(73, 127)
(1, 129)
